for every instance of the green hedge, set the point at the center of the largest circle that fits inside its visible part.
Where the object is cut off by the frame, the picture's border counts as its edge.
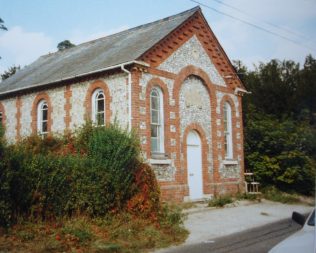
(91, 173)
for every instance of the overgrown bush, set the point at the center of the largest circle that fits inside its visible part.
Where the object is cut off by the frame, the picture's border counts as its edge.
(146, 200)
(95, 172)
(278, 153)
(5, 178)
(280, 123)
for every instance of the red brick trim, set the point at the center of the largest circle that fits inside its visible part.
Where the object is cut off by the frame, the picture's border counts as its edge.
(3, 114)
(161, 73)
(183, 74)
(38, 98)
(205, 175)
(67, 106)
(136, 102)
(98, 84)
(156, 82)
(229, 100)
(195, 25)
(18, 105)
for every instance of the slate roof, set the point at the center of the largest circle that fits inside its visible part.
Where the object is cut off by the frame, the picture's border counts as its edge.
(95, 55)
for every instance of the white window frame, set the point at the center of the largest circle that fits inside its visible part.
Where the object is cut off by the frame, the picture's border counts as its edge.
(41, 107)
(94, 106)
(160, 148)
(228, 131)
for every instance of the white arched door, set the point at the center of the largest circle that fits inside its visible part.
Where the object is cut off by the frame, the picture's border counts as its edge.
(194, 165)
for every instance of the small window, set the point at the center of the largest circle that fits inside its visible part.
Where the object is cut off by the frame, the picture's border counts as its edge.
(98, 107)
(156, 121)
(228, 140)
(42, 117)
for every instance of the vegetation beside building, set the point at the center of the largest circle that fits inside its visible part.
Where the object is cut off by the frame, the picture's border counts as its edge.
(81, 190)
(280, 124)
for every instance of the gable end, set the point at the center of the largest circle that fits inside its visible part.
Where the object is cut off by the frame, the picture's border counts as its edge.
(195, 25)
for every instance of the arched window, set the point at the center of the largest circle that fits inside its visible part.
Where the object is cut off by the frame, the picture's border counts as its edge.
(156, 121)
(42, 117)
(98, 107)
(228, 135)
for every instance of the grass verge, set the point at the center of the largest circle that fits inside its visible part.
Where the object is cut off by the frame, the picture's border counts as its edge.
(273, 194)
(117, 233)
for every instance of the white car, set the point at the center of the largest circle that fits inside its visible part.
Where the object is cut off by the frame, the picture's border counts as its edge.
(302, 241)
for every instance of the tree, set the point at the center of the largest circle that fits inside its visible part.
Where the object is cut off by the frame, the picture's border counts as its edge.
(2, 26)
(10, 72)
(279, 123)
(65, 45)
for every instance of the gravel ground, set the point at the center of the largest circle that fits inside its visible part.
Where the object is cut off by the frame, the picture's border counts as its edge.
(211, 223)
(206, 223)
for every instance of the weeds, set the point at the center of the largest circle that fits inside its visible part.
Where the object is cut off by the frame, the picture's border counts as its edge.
(247, 196)
(119, 233)
(220, 201)
(276, 195)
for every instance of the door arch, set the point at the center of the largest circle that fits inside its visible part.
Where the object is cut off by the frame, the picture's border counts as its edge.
(194, 165)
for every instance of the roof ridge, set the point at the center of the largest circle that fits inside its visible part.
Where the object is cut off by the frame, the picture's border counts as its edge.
(147, 24)
(193, 10)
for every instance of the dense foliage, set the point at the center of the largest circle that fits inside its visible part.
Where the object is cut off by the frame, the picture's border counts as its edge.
(280, 123)
(94, 173)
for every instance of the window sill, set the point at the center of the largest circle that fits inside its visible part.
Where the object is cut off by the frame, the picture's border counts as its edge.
(230, 162)
(160, 161)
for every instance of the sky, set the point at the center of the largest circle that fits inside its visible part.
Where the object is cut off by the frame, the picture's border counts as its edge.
(251, 31)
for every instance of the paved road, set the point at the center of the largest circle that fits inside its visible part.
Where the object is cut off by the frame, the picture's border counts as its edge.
(257, 240)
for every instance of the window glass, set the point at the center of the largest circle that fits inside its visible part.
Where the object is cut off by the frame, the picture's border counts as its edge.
(42, 117)
(228, 145)
(154, 131)
(154, 145)
(98, 107)
(155, 117)
(156, 120)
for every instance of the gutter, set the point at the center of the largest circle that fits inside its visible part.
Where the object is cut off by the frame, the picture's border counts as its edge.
(75, 76)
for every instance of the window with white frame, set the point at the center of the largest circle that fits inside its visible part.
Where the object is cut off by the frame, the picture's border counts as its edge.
(156, 120)
(98, 107)
(228, 135)
(42, 117)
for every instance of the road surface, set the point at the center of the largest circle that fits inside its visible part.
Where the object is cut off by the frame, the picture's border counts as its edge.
(257, 240)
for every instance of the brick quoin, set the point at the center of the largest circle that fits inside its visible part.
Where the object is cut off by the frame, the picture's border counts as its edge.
(2, 110)
(39, 97)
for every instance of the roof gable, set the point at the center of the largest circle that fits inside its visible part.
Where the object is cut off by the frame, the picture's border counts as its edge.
(192, 53)
(198, 26)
